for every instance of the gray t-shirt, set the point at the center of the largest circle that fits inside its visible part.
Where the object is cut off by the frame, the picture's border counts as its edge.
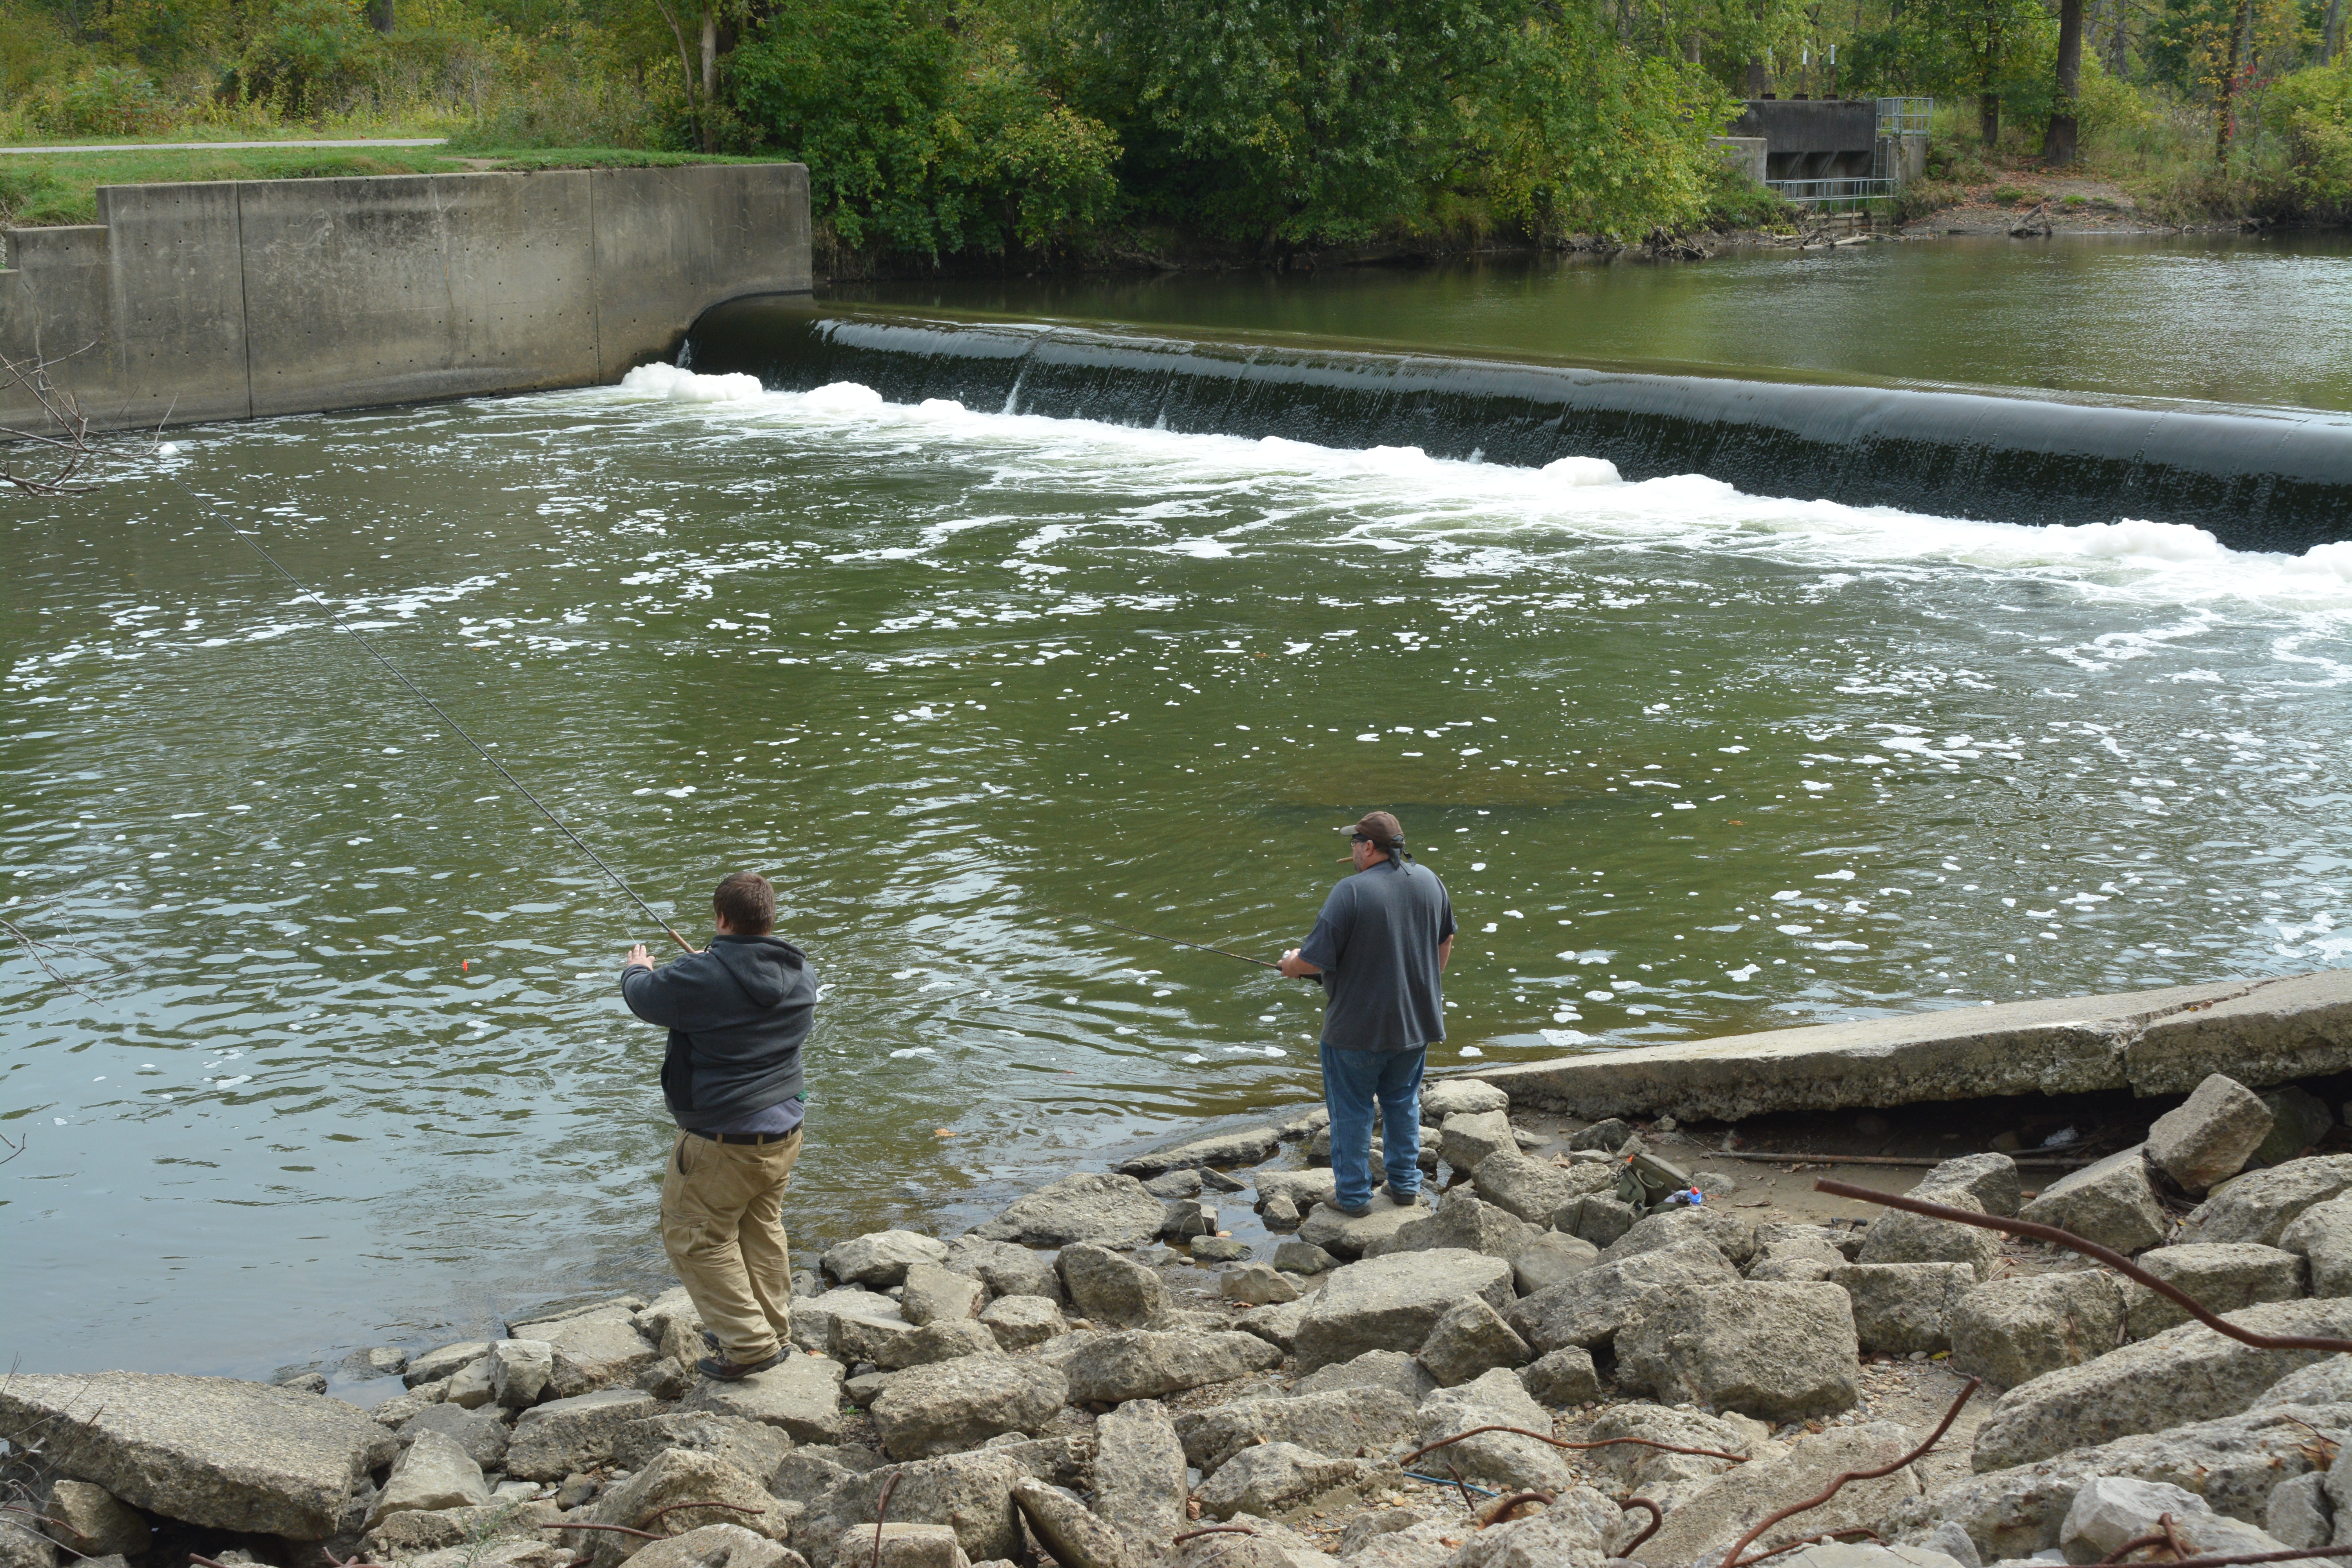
(1376, 942)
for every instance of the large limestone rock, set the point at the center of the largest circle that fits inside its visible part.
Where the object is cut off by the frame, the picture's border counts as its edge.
(851, 1325)
(598, 1348)
(1277, 1324)
(1776, 1351)
(679, 1476)
(1392, 1302)
(1245, 1146)
(1102, 1207)
(800, 1397)
(1446, 1097)
(1503, 1460)
(1111, 1289)
(94, 1522)
(971, 1493)
(564, 1436)
(1590, 1308)
(2208, 1137)
(2112, 1203)
(1373, 1369)
(1467, 1137)
(1897, 1236)
(2322, 1234)
(2234, 1464)
(1075, 1538)
(2115, 1509)
(758, 1451)
(519, 1371)
(405, 1537)
(2259, 1206)
(1989, 1179)
(1356, 1236)
(2299, 1119)
(1550, 1258)
(437, 1365)
(1006, 1269)
(1150, 1364)
(935, 1293)
(1531, 1189)
(1717, 1512)
(1461, 1222)
(1556, 1538)
(2185, 1374)
(2224, 1275)
(1642, 1470)
(1899, 1307)
(709, 1546)
(436, 1472)
(1139, 1474)
(1274, 1478)
(1597, 1218)
(956, 1404)
(940, 1341)
(1021, 1322)
(2013, 1330)
(479, 1433)
(1798, 1259)
(1343, 1423)
(881, 1259)
(206, 1451)
(1469, 1340)
(1728, 1232)
(1302, 1189)
(1561, 1378)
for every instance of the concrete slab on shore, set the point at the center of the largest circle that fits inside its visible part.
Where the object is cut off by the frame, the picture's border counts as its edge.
(2260, 1032)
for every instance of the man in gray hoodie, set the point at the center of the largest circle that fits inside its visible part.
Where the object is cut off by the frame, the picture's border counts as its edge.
(736, 1013)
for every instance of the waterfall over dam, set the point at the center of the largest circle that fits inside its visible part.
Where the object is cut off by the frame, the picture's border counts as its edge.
(2265, 479)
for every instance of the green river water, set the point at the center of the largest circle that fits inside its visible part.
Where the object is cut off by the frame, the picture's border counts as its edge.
(343, 1062)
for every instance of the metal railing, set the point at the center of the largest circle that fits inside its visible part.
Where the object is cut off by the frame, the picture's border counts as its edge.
(1821, 193)
(1905, 116)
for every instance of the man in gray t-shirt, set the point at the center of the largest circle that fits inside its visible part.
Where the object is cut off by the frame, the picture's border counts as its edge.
(1380, 944)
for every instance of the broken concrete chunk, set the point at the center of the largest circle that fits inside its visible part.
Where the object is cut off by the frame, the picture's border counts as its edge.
(206, 1451)
(800, 1397)
(2322, 1234)
(1247, 1146)
(710, 1546)
(1467, 1137)
(1716, 1512)
(1899, 1307)
(2208, 1137)
(1776, 1351)
(1897, 1236)
(1606, 1136)
(1391, 1302)
(1590, 1308)
(1139, 1473)
(94, 1522)
(435, 1473)
(676, 1476)
(1109, 1289)
(2013, 1330)
(935, 1293)
(1257, 1285)
(1503, 1460)
(1641, 1469)
(1098, 1207)
(1989, 1179)
(1550, 1258)
(1731, 1233)
(1075, 1538)
(881, 1259)
(2185, 1375)
(1450, 1096)
(1460, 1221)
(1274, 1478)
(2259, 1206)
(1531, 1189)
(567, 1436)
(1344, 1423)
(2299, 1119)
(1005, 1269)
(951, 1406)
(1468, 1341)
(1112, 1369)
(2112, 1203)
(1021, 1322)
(519, 1371)
(1562, 1378)
(1373, 1369)
(2222, 1276)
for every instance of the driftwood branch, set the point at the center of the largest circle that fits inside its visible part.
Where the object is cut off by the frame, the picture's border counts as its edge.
(60, 446)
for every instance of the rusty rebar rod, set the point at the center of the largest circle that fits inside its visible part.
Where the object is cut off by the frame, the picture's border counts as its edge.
(1732, 1558)
(1657, 1522)
(882, 1510)
(1564, 1443)
(1494, 1514)
(2088, 1248)
(1213, 1529)
(2291, 1554)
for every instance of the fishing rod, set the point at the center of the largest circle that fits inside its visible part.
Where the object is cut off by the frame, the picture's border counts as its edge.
(1179, 941)
(442, 714)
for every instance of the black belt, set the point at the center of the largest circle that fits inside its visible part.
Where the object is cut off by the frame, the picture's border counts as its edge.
(753, 1138)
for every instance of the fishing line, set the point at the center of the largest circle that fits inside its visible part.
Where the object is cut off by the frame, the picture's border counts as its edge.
(442, 714)
(1177, 941)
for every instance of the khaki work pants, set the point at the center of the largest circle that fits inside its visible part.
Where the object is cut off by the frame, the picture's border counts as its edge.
(722, 1223)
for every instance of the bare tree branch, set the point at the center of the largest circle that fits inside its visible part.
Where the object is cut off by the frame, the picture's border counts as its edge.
(64, 437)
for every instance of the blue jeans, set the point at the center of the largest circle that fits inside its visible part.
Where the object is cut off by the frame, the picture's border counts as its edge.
(1353, 1082)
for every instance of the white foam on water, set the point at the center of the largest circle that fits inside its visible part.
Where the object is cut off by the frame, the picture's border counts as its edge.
(1482, 515)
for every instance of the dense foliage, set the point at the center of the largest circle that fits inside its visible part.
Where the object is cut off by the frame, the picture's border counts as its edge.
(943, 127)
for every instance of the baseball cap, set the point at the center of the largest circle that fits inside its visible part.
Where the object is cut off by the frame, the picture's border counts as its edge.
(1378, 827)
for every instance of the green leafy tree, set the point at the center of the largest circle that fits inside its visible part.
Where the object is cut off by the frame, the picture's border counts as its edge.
(309, 56)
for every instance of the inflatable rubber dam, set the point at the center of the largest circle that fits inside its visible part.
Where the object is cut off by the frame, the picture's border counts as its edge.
(2265, 479)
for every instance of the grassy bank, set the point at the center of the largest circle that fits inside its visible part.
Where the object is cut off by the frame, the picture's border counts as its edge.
(37, 190)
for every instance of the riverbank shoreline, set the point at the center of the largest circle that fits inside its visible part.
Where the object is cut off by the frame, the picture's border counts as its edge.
(1103, 1375)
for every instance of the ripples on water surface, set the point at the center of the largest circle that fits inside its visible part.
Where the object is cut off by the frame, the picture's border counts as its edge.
(350, 1065)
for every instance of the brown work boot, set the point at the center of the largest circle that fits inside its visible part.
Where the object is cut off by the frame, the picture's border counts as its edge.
(719, 1369)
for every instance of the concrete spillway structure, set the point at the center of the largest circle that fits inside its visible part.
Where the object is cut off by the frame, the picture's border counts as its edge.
(234, 298)
(2256, 479)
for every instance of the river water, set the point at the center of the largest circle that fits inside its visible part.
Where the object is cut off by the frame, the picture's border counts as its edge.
(342, 1061)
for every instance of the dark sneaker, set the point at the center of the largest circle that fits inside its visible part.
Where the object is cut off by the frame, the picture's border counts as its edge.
(712, 1341)
(723, 1371)
(1405, 1200)
(1359, 1212)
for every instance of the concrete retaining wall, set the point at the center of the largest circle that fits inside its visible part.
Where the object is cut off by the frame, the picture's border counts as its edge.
(2260, 1032)
(231, 300)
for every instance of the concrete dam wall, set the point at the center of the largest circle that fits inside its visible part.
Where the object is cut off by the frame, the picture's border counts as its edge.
(234, 299)
(2255, 479)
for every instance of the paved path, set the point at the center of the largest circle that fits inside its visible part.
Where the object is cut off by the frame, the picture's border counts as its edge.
(215, 146)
